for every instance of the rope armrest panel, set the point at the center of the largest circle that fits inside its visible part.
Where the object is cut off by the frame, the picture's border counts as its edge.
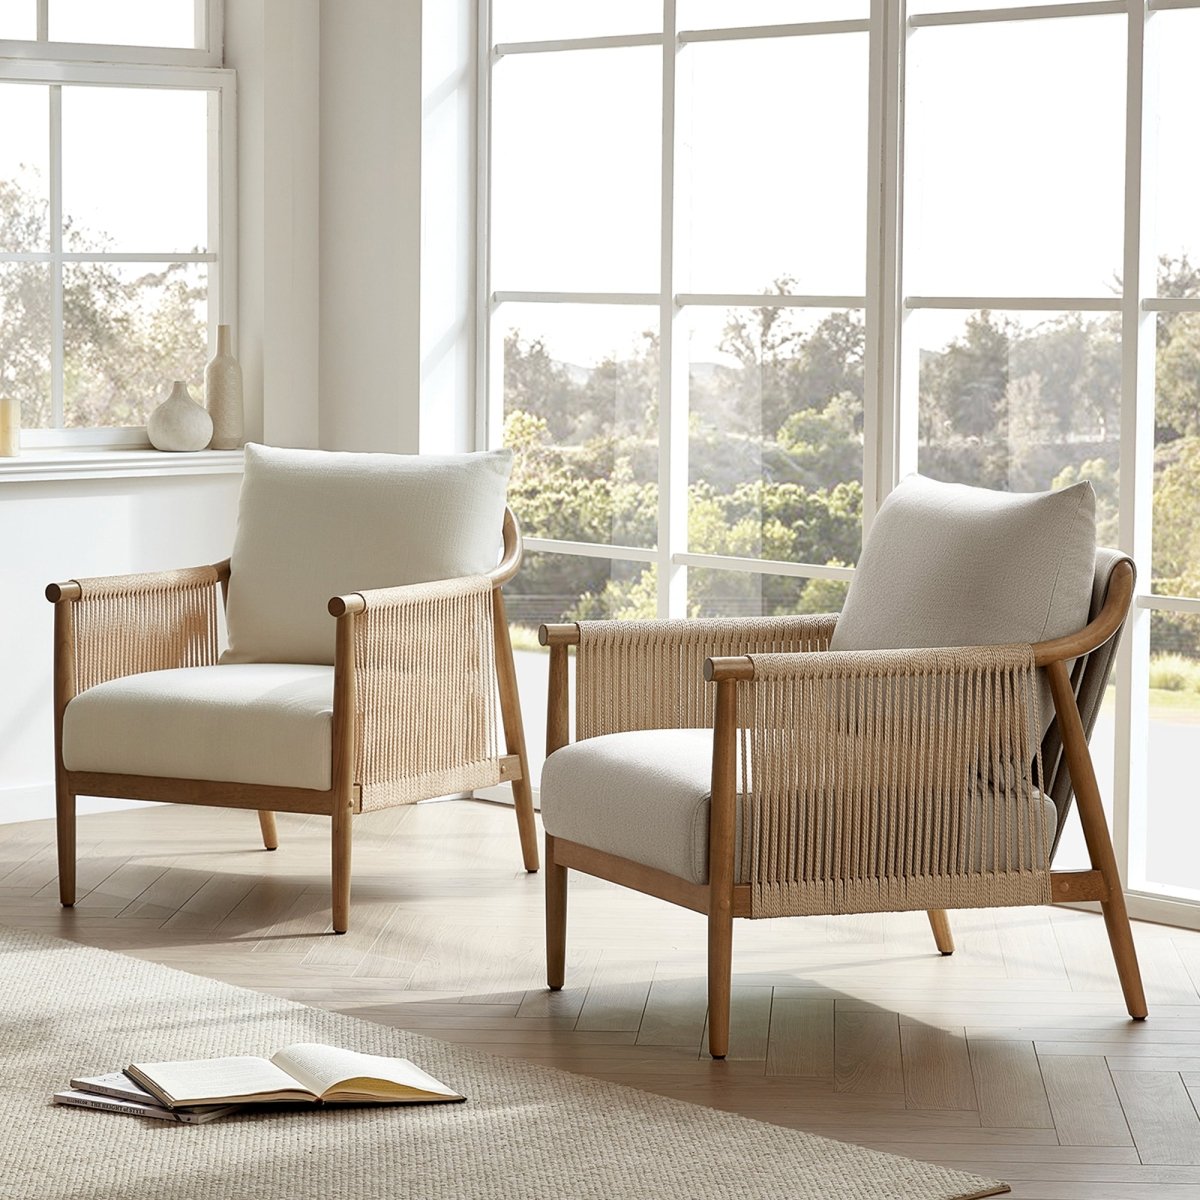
(650, 674)
(892, 780)
(426, 691)
(128, 624)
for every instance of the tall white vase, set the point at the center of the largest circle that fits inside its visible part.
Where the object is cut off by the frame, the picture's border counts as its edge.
(179, 423)
(223, 394)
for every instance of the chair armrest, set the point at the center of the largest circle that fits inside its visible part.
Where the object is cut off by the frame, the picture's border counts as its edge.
(424, 681)
(905, 778)
(119, 625)
(649, 674)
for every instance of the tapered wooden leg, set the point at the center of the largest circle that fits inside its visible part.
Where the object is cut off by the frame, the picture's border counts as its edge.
(270, 835)
(556, 919)
(1099, 844)
(939, 922)
(721, 828)
(64, 690)
(64, 805)
(720, 979)
(342, 818)
(514, 731)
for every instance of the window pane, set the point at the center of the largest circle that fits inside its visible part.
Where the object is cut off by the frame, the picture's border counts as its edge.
(25, 340)
(717, 14)
(129, 330)
(776, 434)
(541, 20)
(135, 169)
(1015, 145)
(1176, 540)
(567, 587)
(715, 593)
(581, 415)
(1178, 165)
(24, 167)
(1172, 816)
(1020, 401)
(125, 22)
(576, 176)
(18, 19)
(774, 177)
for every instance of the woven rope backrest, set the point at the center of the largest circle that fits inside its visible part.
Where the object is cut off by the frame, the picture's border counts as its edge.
(650, 674)
(173, 615)
(425, 668)
(880, 781)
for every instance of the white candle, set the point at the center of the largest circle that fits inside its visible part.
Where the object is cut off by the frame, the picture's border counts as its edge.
(10, 427)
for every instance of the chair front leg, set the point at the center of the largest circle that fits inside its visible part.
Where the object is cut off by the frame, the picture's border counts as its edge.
(342, 812)
(556, 919)
(720, 869)
(64, 692)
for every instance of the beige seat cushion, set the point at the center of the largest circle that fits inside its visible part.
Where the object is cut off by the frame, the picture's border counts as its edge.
(265, 723)
(314, 524)
(950, 565)
(645, 796)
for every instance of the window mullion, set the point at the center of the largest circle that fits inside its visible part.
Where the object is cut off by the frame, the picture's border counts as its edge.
(1138, 328)
(57, 407)
(43, 20)
(672, 361)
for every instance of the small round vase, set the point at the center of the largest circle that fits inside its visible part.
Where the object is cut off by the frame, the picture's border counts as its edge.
(179, 423)
(223, 394)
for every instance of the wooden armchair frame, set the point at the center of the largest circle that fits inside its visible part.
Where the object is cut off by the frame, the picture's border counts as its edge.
(720, 899)
(345, 797)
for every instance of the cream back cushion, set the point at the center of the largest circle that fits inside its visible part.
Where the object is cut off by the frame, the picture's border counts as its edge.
(950, 565)
(315, 523)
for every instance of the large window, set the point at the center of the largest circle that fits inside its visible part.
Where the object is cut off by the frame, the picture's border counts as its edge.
(116, 209)
(742, 279)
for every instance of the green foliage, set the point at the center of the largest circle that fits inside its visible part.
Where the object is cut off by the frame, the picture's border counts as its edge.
(1174, 673)
(128, 331)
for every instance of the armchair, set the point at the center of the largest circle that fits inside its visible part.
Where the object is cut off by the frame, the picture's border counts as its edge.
(389, 697)
(758, 769)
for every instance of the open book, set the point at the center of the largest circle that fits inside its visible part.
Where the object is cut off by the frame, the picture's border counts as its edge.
(304, 1073)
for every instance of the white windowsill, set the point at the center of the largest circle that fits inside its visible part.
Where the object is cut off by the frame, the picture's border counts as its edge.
(110, 462)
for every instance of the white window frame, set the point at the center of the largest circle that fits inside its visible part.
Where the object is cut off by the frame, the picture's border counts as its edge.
(207, 51)
(58, 64)
(671, 556)
(890, 397)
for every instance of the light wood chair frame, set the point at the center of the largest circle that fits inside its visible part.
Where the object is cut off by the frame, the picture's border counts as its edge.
(720, 899)
(344, 798)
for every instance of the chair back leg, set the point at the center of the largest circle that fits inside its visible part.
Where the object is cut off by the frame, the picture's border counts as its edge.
(939, 922)
(514, 731)
(266, 823)
(1095, 834)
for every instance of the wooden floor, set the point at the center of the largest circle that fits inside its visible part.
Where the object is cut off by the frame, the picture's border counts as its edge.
(1013, 1058)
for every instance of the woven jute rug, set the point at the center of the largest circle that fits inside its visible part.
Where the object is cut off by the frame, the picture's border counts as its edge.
(525, 1131)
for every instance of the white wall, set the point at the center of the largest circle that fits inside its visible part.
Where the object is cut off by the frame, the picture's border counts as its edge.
(356, 225)
(60, 530)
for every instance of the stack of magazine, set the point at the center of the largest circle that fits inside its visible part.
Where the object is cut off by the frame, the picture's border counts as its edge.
(200, 1090)
(118, 1093)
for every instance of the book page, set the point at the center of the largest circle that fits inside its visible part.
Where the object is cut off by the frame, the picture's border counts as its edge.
(322, 1068)
(201, 1081)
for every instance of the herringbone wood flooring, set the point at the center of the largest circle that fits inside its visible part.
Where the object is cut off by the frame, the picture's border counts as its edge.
(1013, 1058)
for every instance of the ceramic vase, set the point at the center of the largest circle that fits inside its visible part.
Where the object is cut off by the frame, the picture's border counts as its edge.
(179, 423)
(223, 394)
